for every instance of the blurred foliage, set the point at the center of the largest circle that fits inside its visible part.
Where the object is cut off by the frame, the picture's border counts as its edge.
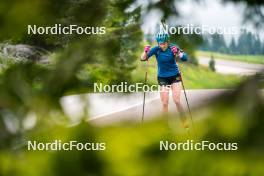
(188, 43)
(31, 92)
(134, 149)
(253, 13)
(33, 88)
(18, 14)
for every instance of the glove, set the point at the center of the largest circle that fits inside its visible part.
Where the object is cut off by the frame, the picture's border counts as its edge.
(147, 49)
(174, 49)
(180, 55)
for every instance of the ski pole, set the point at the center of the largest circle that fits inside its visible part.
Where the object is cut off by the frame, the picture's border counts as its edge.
(187, 102)
(144, 96)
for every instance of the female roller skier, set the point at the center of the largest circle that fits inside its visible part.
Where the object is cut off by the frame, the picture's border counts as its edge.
(169, 76)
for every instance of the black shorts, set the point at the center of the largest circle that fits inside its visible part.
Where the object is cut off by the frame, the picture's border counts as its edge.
(165, 81)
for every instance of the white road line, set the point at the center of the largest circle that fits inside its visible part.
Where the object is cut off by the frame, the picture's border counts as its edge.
(120, 110)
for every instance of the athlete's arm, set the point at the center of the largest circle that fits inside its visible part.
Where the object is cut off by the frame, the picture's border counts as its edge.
(183, 56)
(144, 55)
(148, 53)
(178, 52)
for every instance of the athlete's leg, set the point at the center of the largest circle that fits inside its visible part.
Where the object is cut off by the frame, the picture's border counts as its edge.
(164, 96)
(176, 95)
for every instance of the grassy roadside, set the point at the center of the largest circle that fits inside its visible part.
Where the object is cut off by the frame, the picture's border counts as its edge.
(195, 77)
(256, 59)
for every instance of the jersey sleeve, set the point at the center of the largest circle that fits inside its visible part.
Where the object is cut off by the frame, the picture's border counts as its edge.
(153, 51)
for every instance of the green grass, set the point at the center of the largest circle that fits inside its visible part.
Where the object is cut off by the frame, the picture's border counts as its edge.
(256, 59)
(195, 77)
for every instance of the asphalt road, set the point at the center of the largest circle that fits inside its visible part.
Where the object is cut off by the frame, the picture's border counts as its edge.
(109, 108)
(233, 67)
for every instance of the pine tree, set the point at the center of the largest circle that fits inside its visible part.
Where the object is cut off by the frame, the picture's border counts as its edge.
(218, 43)
(232, 46)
